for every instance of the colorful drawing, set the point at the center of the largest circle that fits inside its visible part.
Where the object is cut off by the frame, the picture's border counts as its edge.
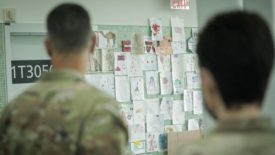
(164, 47)
(150, 62)
(135, 65)
(177, 73)
(156, 29)
(152, 141)
(121, 63)
(164, 63)
(137, 132)
(138, 147)
(166, 107)
(166, 85)
(152, 82)
(137, 88)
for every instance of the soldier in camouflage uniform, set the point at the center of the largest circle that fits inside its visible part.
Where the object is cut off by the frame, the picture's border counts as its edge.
(62, 114)
(236, 55)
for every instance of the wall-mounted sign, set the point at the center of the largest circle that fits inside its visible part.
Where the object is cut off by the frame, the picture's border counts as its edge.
(180, 4)
(28, 71)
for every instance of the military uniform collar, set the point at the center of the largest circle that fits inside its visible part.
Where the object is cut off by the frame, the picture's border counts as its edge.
(63, 74)
(261, 123)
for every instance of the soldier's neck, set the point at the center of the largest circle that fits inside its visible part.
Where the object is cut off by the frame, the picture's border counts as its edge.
(247, 111)
(77, 62)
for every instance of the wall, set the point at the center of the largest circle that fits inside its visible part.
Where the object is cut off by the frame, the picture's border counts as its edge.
(105, 12)
(3, 91)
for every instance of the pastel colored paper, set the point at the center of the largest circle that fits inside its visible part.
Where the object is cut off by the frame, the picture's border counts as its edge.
(164, 47)
(152, 82)
(137, 88)
(122, 88)
(138, 147)
(166, 107)
(150, 62)
(156, 29)
(139, 112)
(164, 63)
(121, 63)
(135, 65)
(166, 83)
(177, 73)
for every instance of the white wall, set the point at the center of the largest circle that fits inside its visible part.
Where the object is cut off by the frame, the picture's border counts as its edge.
(109, 12)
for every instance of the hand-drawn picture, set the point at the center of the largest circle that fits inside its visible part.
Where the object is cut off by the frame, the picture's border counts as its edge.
(164, 63)
(166, 86)
(150, 62)
(164, 47)
(135, 65)
(138, 147)
(166, 107)
(120, 63)
(152, 82)
(137, 88)
(178, 33)
(137, 132)
(122, 89)
(177, 73)
(105, 39)
(152, 141)
(156, 29)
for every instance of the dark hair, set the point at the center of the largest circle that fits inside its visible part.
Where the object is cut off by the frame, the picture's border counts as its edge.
(69, 27)
(237, 48)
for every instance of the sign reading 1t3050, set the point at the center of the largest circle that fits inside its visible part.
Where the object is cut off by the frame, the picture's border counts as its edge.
(28, 71)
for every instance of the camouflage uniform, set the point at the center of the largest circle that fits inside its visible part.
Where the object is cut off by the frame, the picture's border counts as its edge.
(242, 137)
(62, 115)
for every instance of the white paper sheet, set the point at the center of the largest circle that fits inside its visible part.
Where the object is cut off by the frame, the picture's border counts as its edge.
(193, 80)
(178, 112)
(166, 107)
(152, 82)
(150, 62)
(152, 140)
(190, 62)
(188, 100)
(164, 63)
(138, 147)
(177, 73)
(156, 29)
(127, 112)
(121, 63)
(155, 123)
(178, 47)
(104, 82)
(135, 65)
(105, 39)
(94, 61)
(139, 111)
(178, 32)
(137, 132)
(107, 59)
(166, 83)
(193, 124)
(173, 128)
(197, 101)
(153, 106)
(122, 88)
(137, 88)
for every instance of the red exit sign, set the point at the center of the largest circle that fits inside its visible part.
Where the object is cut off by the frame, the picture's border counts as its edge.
(180, 4)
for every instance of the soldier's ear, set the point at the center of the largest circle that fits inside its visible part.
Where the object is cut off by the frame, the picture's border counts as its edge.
(48, 46)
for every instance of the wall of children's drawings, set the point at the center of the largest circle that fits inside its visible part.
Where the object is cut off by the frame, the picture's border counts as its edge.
(153, 74)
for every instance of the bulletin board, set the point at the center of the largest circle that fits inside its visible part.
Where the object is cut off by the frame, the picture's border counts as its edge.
(151, 104)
